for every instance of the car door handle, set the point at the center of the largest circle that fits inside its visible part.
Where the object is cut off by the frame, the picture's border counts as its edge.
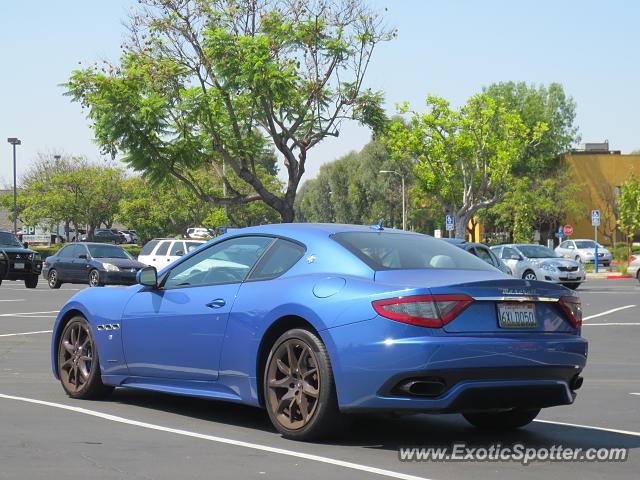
(217, 303)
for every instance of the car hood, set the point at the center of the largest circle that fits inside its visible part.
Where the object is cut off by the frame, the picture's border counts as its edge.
(16, 249)
(592, 251)
(556, 262)
(121, 262)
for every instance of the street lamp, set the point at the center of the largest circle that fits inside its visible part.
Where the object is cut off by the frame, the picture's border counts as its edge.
(14, 142)
(404, 210)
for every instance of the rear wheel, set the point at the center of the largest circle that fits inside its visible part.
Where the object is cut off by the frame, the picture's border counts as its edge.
(78, 364)
(53, 280)
(502, 420)
(31, 282)
(529, 275)
(299, 389)
(94, 278)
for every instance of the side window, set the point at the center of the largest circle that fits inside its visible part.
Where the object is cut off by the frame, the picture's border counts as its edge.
(225, 262)
(564, 245)
(163, 248)
(148, 248)
(484, 255)
(80, 250)
(280, 258)
(508, 253)
(177, 249)
(192, 246)
(66, 252)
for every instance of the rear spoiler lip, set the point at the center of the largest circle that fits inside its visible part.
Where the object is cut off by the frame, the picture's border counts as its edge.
(516, 299)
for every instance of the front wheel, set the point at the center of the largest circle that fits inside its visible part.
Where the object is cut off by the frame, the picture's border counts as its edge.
(299, 389)
(78, 364)
(529, 275)
(31, 282)
(578, 259)
(53, 280)
(94, 278)
(502, 420)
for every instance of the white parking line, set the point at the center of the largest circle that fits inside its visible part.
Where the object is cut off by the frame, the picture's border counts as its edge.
(633, 393)
(25, 313)
(611, 324)
(601, 429)
(24, 333)
(13, 300)
(228, 441)
(613, 310)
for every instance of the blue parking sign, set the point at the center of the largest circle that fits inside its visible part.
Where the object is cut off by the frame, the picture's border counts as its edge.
(449, 222)
(595, 217)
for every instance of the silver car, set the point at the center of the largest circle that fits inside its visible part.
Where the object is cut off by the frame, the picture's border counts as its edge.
(537, 262)
(634, 267)
(583, 250)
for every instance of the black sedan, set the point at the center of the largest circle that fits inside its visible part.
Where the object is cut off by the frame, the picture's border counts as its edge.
(18, 262)
(93, 263)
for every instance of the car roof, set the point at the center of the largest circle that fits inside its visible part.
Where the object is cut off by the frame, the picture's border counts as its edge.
(299, 231)
(93, 243)
(179, 239)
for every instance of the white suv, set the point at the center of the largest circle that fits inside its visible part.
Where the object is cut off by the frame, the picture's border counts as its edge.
(199, 232)
(160, 252)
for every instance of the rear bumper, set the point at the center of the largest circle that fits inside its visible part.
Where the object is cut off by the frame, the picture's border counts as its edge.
(478, 372)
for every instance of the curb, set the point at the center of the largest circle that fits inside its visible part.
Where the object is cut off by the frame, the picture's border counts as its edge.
(614, 277)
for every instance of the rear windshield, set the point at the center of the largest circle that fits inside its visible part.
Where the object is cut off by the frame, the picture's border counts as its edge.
(10, 239)
(397, 251)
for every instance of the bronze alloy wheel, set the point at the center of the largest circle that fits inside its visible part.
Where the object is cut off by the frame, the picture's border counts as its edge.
(293, 384)
(78, 364)
(76, 356)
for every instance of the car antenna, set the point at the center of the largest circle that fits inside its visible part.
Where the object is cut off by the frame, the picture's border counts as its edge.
(377, 227)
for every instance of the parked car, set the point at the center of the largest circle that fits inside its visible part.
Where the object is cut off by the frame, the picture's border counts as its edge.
(93, 263)
(481, 251)
(537, 262)
(160, 252)
(200, 232)
(105, 235)
(634, 266)
(583, 251)
(313, 322)
(130, 236)
(20, 263)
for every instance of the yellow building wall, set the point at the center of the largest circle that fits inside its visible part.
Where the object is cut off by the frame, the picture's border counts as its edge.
(599, 175)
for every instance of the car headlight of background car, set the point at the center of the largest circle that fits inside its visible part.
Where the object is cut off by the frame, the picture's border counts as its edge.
(548, 266)
(110, 267)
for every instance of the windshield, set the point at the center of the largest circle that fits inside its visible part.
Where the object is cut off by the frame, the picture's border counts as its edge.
(537, 251)
(108, 251)
(586, 244)
(394, 251)
(10, 239)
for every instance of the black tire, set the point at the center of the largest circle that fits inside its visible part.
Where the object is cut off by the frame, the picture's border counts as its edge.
(78, 363)
(53, 280)
(31, 282)
(572, 286)
(578, 259)
(502, 420)
(310, 387)
(637, 276)
(529, 273)
(94, 278)
(0, 281)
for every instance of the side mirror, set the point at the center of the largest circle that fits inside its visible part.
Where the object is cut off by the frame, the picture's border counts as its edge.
(514, 257)
(180, 253)
(148, 276)
(571, 247)
(25, 244)
(83, 256)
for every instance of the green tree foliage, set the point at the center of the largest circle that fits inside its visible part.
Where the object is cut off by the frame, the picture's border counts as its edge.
(465, 158)
(211, 84)
(629, 210)
(352, 189)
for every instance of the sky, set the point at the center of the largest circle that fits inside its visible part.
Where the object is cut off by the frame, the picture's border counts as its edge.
(447, 48)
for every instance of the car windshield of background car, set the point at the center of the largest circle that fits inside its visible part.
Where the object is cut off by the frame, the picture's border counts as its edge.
(537, 251)
(397, 251)
(586, 244)
(9, 239)
(106, 251)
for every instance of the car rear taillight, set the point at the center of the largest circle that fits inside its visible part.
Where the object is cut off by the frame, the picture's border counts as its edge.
(633, 258)
(572, 307)
(423, 310)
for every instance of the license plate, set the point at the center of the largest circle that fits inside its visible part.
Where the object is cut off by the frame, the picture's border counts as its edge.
(18, 266)
(571, 275)
(517, 315)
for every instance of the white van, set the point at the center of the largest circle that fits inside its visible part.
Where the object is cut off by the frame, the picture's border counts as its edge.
(160, 252)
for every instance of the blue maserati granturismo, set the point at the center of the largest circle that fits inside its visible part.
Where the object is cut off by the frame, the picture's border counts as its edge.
(314, 322)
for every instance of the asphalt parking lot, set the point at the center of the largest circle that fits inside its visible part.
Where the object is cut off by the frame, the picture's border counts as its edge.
(135, 434)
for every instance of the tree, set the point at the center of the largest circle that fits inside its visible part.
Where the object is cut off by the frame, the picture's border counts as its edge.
(629, 210)
(464, 158)
(211, 83)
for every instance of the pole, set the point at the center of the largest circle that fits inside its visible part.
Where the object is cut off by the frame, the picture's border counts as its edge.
(15, 194)
(595, 257)
(404, 208)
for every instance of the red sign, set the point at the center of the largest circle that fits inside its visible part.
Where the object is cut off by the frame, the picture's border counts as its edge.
(568, 230)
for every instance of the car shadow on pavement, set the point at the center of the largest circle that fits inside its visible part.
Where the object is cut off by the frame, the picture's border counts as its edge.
(382, 431)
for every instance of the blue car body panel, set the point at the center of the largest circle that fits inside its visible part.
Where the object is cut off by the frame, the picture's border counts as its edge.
(172, 340)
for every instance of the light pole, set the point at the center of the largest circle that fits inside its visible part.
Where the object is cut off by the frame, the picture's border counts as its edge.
(14, 142)
(404, 210)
